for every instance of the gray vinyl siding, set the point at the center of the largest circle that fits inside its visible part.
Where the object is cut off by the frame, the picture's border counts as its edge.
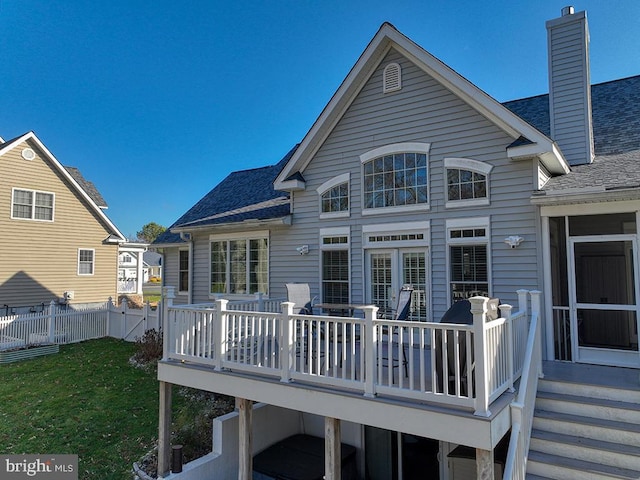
(171, 272)
(570, 88)
(422, 111)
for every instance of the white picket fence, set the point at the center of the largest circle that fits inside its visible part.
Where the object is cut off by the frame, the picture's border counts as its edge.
(65, 324)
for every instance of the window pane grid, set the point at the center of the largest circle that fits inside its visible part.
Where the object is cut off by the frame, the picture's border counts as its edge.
(240, 266)
(32, 205)
(218, 267)
(85, 262)
(396, 180)
(336, 199)
(258, 265)
(465, 184)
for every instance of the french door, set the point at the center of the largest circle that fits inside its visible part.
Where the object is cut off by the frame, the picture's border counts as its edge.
(389, 269)
(604, 299)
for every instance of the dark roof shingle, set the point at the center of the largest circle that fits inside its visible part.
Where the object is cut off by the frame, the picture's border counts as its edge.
(87, 186)
(241, 196)
(616, 135)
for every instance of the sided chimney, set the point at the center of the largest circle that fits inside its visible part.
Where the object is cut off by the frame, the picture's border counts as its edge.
(570, 86)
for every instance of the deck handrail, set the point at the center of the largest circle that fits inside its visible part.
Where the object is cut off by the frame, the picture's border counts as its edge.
(522, 408)
(462, 365)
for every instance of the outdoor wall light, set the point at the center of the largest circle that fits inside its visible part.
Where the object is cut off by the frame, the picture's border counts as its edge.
(513, 240)
(303, 250)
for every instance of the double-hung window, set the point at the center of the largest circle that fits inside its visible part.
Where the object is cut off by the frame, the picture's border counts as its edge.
(468, 250)
(239, 265)
(395, 178)
(334, 245)
(32, 205)
(467, 182)
(86, 260)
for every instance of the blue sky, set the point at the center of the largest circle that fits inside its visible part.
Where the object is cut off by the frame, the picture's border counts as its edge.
(157, 101)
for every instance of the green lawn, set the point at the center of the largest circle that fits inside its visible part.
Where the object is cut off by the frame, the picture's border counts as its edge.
(86, 400)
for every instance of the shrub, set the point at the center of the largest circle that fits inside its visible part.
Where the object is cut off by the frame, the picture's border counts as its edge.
(149, 347)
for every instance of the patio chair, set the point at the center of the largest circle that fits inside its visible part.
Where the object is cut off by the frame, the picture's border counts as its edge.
(300, 295)
(400, 313)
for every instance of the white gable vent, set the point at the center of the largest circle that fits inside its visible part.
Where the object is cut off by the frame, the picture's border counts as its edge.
(28, 154)
(391, 78)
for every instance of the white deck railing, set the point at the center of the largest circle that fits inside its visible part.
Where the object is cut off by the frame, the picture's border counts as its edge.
(522, 408)
(463, 365)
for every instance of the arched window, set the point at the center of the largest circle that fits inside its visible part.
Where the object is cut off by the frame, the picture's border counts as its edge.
(396, 177)
(334, 197)
(467, 182)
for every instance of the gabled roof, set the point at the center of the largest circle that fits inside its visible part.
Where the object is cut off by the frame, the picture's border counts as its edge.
(243, 196)
(75, 179)
(152, 259)
(615, 170)
(389, 37)
(87, 186)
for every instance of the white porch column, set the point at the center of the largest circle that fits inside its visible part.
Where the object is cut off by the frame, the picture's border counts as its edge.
(139, 273)
(245, 440)
(164, 430)
(332, 453)
(484, 464)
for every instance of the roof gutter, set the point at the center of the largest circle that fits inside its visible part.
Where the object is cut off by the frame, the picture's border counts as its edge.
(585, 195)
(286, 220)
(549, 154)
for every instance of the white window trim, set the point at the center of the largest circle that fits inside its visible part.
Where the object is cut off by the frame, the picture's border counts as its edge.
(403, 228)
(473, 166)
(186, 249)
(32, 219)
(404, 147)
(329, 184)
(465, 223)
(93, 261)
(253, 235)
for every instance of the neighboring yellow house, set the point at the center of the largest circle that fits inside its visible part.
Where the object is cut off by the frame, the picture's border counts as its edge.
(56, 243)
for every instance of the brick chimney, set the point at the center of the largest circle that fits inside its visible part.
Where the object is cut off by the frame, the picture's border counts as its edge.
(570, 86)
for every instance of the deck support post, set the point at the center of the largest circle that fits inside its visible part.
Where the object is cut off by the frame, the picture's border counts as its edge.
(484, 464)
(332, 450)
(245, 439)
(164, 430)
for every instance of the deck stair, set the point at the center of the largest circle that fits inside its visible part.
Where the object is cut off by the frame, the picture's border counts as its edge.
(586, 424)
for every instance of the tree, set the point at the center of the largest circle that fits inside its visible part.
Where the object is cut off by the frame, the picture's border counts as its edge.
(150, 232)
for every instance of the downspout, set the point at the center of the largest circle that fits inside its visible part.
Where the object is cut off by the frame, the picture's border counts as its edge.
(186, 237)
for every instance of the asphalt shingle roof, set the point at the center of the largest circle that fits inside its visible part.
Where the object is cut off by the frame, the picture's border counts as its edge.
(87, 186)
(242, 195)
(616, 135)
(249, 194)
